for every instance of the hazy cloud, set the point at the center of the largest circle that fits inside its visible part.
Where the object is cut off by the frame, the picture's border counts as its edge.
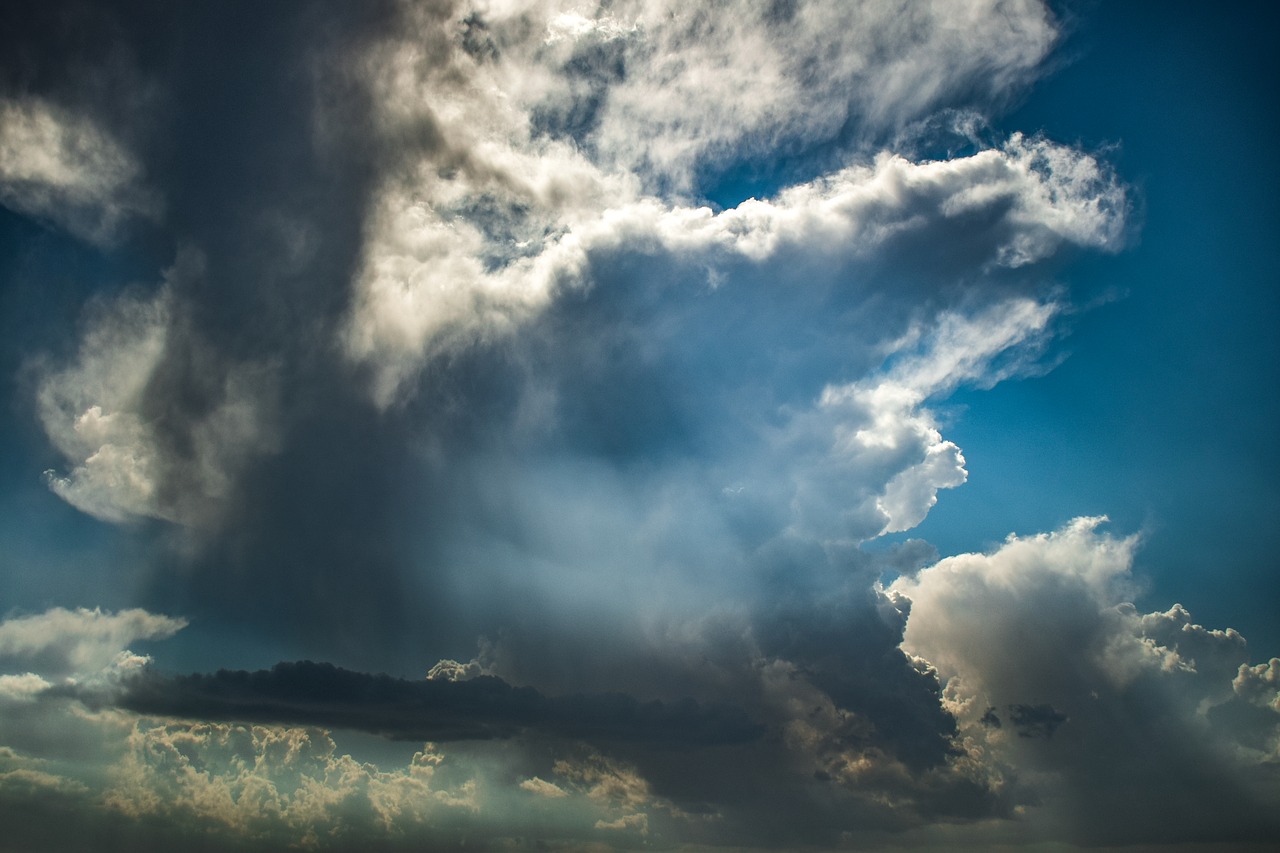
(64, 168)
(62, 642)
(708, 88)
(101, 414)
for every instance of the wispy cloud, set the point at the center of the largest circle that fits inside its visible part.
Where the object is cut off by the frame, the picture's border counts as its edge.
(62, 167)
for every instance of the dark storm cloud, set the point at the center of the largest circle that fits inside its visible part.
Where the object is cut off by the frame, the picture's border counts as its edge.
(1035, 721)
(318, 694)
(250, 125)
(850, 651)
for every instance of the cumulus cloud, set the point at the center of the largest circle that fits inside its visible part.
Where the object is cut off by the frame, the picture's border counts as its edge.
(280, 785)
(452, 670)
(526, 142)
(543, 788)
(887, 459)
(268, 787)
(1259, 684)
(22, 688)
(229, 786)
(529, 290)
(429, 286)
(1110, 712)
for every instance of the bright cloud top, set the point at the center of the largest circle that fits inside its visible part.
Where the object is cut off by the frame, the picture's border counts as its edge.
(1049, 670)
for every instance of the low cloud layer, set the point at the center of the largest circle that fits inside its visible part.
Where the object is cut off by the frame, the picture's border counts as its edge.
(434, 709)
(975, 722)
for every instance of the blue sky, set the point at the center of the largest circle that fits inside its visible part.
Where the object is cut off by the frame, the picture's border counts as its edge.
(1158, 417)
(638, 425)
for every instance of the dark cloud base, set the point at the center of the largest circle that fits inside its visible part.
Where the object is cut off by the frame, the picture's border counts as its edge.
(318, 694)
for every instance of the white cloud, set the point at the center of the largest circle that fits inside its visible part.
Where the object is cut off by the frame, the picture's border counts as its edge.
(230, 784)
(543, 788)
(886, 458)
(62, 642)
(671, 87)
(96, 412)
(611, 791)
(285, 785)
(452, 670)
(1067, 695)
(62, 167)
(39, 783)
(21, 688)
(91, 412)
(484, 216)
(431, 284)
(1259, 684)
(972, 614)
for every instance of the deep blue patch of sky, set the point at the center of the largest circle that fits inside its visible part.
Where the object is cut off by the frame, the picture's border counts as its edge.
(1164, 414)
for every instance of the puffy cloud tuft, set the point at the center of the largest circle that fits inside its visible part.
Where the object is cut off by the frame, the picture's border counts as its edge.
(1112, 712)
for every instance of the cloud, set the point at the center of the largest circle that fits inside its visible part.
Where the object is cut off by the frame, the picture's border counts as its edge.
(1260, 684)
(62, 167)
(22, 688)
(278, 785)
(675, 92)
(162, 783)
(90, 413)
(1035, 720)
(477, 225)
(887, 459)
(606, 338)
(61, 642)
(452, 670)
(1124, 726)
(101, 413)
(543, 788)
(433, 709)
(429, 287)
(404, 211)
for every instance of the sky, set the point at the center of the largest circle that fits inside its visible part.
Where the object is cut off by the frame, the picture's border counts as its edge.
(502, 424)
